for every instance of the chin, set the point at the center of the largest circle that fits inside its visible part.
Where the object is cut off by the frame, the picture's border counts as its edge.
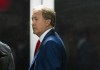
(35, 33)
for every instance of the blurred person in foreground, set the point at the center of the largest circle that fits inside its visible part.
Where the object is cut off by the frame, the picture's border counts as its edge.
(51, 54)
(6, 58)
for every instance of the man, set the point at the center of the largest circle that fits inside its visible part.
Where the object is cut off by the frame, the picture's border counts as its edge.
(6, 59)
(51, 54)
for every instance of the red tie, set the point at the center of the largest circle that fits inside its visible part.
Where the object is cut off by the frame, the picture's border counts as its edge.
(37, 47)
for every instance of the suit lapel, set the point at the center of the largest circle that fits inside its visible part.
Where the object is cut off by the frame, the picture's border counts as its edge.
(47, 35)
(36, 55)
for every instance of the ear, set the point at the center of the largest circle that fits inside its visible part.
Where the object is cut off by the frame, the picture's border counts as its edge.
(48, 21)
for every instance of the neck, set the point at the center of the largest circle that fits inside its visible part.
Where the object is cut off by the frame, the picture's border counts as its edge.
(45, 30)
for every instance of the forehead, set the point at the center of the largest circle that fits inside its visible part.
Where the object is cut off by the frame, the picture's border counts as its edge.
(36, 12)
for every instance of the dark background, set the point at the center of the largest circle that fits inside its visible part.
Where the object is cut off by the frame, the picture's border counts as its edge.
(76, 18)
(14, 30)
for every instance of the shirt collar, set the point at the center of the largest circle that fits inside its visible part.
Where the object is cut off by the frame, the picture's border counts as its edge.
(43, 35)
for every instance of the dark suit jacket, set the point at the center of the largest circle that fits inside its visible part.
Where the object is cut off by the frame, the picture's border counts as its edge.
(51, 54)
(6, 59)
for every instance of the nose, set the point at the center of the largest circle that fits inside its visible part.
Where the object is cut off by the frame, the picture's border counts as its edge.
(33, 23)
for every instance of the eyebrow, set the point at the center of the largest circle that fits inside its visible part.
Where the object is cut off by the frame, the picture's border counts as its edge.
(34, 17)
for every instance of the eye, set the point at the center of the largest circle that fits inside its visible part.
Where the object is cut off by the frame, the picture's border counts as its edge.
(34, 18)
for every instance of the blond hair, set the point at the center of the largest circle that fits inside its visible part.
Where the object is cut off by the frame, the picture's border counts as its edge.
(47, 13)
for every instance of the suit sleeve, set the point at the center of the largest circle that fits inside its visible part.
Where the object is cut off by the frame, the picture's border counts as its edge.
(5, 57)
(11, 64)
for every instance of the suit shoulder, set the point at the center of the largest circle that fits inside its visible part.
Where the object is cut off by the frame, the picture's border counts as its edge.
(4, 47)
(53, 40)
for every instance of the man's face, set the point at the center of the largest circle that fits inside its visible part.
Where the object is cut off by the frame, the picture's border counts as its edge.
(38, 23)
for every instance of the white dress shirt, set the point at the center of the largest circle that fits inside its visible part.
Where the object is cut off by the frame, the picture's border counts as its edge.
(43, 35)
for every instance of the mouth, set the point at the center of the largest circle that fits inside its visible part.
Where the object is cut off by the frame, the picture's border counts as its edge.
(33, 28)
